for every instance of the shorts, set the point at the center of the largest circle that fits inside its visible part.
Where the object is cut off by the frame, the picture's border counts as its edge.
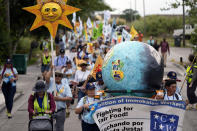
(45, 68)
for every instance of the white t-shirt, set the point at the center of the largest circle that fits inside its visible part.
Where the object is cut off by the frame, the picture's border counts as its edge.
(81, 76)
(8, 74)
(174, 97)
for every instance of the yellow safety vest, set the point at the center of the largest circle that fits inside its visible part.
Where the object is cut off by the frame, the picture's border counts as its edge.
(189, 72)
(45, 105)
(46, 61)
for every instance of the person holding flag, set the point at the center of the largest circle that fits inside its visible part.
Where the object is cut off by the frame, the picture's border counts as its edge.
(62, 96)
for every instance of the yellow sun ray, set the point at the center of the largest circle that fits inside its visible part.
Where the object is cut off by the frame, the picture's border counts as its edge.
(51, 13)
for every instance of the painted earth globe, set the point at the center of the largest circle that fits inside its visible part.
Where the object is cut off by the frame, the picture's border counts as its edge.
(133, 65)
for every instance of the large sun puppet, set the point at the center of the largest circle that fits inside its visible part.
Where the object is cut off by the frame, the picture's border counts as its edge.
(51, 13)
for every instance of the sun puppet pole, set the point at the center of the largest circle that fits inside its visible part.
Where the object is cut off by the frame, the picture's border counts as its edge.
(52, 53)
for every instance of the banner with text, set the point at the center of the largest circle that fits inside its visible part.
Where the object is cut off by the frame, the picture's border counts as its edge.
(139, 114)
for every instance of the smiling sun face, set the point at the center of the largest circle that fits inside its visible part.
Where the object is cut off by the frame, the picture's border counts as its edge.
(50, 14)
(51, 11)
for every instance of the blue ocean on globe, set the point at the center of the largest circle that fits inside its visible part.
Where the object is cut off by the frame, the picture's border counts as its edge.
(132, 65)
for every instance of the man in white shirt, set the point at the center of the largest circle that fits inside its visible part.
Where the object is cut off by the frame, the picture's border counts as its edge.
(170, 93)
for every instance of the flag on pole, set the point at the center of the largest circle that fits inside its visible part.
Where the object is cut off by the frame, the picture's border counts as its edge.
(80, 27)
(74, 18)
(89, 23)
(97, 66)
(113, 29)
(107, 16)
(94, 35)
(125, 35)
(85, 32)
(100, 30)
(133, 33)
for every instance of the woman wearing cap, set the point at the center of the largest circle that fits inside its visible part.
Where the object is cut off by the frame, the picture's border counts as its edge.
(9, 76)
(40, 101)
(84, 109)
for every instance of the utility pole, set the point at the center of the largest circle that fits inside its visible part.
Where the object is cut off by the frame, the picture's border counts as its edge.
(131, 10)
(7, 3)
(144, 17)
(135, 9)
(184, 23)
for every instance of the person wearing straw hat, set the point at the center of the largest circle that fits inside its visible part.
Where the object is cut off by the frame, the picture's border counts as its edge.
(9, 76)
(63, 95)
(40, 101)
(80, 78)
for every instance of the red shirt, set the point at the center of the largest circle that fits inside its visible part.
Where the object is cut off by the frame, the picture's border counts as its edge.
(140, 37)
(31, 104)
(164, 47)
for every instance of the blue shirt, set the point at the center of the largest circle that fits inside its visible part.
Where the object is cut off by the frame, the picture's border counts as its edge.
(59, 61)
(40, 100)
(63, 90)
(151, 42)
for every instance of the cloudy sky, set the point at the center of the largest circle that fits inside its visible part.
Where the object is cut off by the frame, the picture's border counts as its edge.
(151, 6)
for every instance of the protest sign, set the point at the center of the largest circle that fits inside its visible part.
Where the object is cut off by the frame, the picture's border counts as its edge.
(139, 114)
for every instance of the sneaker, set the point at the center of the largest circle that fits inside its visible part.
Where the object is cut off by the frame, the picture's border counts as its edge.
(9, 115)
(67, 113)
(191, 106)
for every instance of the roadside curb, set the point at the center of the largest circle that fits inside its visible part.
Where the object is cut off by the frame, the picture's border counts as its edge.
(179, 66)
(182, 70)
(17, 96)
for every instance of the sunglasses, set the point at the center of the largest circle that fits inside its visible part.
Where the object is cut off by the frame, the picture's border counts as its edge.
(58, 75)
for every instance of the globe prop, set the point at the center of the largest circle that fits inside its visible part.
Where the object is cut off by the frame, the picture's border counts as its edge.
(133, 69)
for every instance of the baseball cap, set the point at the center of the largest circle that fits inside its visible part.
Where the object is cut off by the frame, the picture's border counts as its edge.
(172, 75)
(62, 51)
(8, 61)
(90, 86)
(99, 76)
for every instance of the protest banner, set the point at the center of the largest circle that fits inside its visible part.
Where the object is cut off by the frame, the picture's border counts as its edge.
(139, 114)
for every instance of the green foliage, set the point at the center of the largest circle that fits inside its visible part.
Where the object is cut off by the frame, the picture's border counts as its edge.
(88, 7)
(191, 10)
(158, 25)
(130, 15)
(4, 38)
(193, 39)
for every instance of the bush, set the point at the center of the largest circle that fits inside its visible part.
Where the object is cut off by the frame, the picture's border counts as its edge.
(158, 25)
(193, 40)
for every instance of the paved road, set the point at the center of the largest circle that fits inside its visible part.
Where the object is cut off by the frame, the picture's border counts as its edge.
(19, 122)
